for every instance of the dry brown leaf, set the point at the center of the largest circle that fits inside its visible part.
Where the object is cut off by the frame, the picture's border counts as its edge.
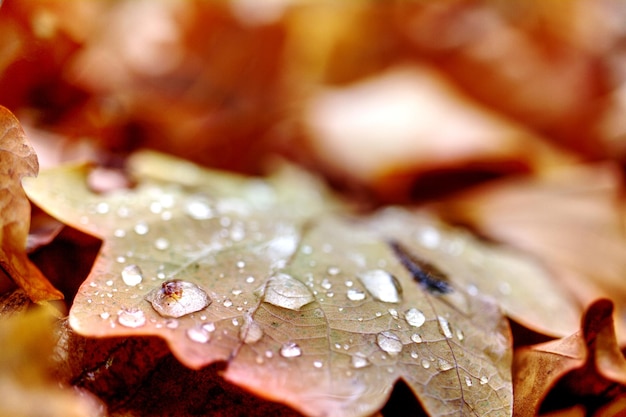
(586, 367)
(17, 160)
(390, 130)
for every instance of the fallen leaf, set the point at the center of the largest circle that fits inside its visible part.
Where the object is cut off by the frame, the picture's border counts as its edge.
(587, 366)
(17, 160)
(26, 371)
(570, 218)
(306, 307)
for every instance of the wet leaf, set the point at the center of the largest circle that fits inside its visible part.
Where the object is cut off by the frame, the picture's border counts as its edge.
(17, 160)
(306, 303)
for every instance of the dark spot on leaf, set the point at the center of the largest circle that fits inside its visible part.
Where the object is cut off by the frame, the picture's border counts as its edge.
(425, 274)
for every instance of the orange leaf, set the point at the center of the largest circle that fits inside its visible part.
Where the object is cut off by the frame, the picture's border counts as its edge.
(18, 159)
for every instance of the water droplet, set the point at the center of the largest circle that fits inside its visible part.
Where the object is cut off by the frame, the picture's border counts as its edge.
(209, 327)
(119, 233)
(120, 259)
(468, 381)
(382, 285)
(290, 350)
(425, 364)
(393, 312)
(318, 364)
(349, 283)
(132, 275)
(171, 324)
(250, 332)
(416, 338)
(285, 291)
(102, 208)
(483, 380)
(241, 264)
(198, 334)
(359, 361)
(389, 342)
(235, 322)
(161, 243)
(414, 317)
(141, 228)
(444, 326)
(105, 315)
(414, 355)
(460, 335)
(250, 279)
(131, 317)
(355, 295)
(178, 298)
(326, 284)
(429, 237)
(228, 303)
(333, 270)
(504, 288)
(444, 365)
(198, 207)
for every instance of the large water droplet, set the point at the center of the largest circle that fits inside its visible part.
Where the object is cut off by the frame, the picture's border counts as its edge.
(290, 350)
(359, 361)
(131, 317)
(355, 294)
(132, 275)
(198, 334)
(250, 332)
(382, 285)
(389, 342)
(178, 298)
(285, 291)
(444, 365)
(414, 317)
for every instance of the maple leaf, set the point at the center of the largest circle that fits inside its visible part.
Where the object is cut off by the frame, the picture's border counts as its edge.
(18, 159)
(306, 303)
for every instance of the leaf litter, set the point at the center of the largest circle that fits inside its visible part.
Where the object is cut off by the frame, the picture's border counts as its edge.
(307, 303)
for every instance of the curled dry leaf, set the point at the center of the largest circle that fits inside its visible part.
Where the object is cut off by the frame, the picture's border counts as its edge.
(17, 160)
(306, 303)
(588, 363)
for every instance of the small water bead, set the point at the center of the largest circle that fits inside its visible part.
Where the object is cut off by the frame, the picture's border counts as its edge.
(307, 250)
(141, 228)
(416, 338)
(389, 342)
(250, 332)
(209, 327)
(171, 324)
(119, 233)
(381, 285)
(359, 361)
(468, 381)
(241, 264)
(333, 270)
(109, 283)
(198, 207)
(178, 298)
(161, 243)
(235, 322)
(285, 291)
(228, 303)
(290, 350)
(444, 326)
(414, 317)
(198, 334)
(250, 279)
(444, 365)
(393, 313)
(504, 288)
(425, 364)
(460, 335)
(429, 237)
(318, 364)
(120, 259)
(355, 294)
(483, 380)
(326, 284)
(132, 275)
(104, 315)
(414, 355)
(349, 283)
(131, 317)
(102, 208)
